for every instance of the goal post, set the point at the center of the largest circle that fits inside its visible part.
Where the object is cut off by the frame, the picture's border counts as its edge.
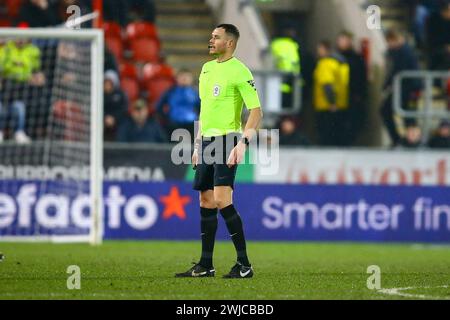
(63, 99)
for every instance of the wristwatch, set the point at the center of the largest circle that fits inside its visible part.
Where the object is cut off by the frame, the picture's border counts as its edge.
(245, 141)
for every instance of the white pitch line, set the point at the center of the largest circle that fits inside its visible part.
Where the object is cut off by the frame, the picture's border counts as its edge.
(398, 292)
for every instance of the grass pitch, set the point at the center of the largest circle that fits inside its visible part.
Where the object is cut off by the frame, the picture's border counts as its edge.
(145, 270)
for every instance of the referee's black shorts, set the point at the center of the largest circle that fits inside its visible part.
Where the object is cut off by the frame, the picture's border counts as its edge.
(212, 170)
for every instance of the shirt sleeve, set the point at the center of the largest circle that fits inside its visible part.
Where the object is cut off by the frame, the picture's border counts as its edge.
(247, 89)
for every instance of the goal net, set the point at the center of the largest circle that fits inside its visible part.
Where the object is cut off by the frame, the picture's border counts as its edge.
(51, 109)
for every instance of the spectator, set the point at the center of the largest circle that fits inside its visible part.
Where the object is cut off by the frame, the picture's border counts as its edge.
(20, 65)
(139, 128)
(116, 105)
(422, 9)
(143, 9)
(110, 62)
(18, 112)
(358, 84)
(441, 140)
(285, 51)
(290, 134)
(413, 136)
(438, 38)
(38, 13)
(447, 89)
(401, 57)
(180, 105)
(116, 10)
(331, 89)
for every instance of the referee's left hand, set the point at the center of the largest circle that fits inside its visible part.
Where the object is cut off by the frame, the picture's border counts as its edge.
(237, 155)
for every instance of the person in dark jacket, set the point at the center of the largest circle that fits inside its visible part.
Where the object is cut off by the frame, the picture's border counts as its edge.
(290, 134)
(438, 38)
(413, 136)
(116, 105)
(401, 57)
(358, 84)
(110, 62)
(143, 9)
(116, 10)
(38, 14)
(421, 12)
(140, 128)
(441, 140)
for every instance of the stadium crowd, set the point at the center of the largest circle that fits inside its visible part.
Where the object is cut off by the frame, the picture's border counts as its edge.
(336, 82)
(145, 100)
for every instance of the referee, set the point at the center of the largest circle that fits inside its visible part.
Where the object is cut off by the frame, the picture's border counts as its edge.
(225, 85)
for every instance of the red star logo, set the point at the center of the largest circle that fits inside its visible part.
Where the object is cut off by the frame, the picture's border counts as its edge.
(174, 204)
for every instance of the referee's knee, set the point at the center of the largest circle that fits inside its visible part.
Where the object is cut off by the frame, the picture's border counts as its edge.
(223, 197)
(222, 203)
(207, 200)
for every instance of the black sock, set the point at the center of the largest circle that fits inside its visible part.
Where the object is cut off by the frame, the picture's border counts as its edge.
(236, 230)
(208, 228)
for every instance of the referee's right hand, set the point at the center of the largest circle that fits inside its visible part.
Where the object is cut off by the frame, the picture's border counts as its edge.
(195, 159)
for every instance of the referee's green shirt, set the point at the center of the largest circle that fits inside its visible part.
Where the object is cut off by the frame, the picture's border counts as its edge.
(224, 88)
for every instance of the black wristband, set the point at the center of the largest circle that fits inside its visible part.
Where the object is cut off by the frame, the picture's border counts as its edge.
(245, 141)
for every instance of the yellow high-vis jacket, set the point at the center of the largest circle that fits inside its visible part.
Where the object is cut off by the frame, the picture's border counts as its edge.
(335, 72)
(19, 62)
(286, 54)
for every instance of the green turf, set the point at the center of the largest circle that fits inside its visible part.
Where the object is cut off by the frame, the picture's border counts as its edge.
(144, 270)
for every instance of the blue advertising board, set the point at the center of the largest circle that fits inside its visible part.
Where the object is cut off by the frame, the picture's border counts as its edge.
(170, 211)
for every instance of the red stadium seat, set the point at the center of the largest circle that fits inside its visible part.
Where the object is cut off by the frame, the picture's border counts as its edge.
(128, 70)
(112, 30)
(131, 88)
(116, 47)
(136, 30)
(5, 23)
(158, 86)
(145, 50)
(13, 7)
(114, 39)
(151, 71)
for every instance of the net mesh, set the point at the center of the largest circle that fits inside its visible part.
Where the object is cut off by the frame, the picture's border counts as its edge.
(45, 136)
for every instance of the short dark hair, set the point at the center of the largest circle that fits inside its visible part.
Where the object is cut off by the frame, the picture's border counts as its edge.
(183, 71)
(347, 34)
(326, 44)
(393, 34)
(230, 29)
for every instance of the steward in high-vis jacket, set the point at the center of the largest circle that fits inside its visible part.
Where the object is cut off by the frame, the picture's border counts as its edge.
(285, 51)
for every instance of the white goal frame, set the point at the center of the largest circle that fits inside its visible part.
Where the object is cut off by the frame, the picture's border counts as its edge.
(96, 38)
